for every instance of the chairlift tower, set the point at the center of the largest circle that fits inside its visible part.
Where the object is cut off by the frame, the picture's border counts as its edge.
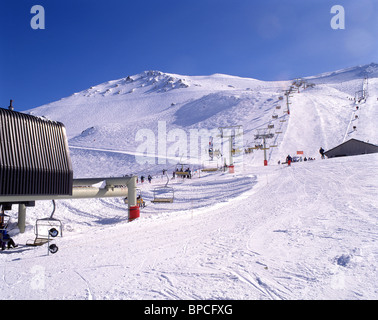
(231, 136)
(287, 94)
(264, 136)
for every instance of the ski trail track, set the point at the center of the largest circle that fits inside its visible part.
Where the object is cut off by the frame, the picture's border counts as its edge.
(241, 248)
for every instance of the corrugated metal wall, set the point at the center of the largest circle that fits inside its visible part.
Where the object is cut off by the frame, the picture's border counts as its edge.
(34, 156)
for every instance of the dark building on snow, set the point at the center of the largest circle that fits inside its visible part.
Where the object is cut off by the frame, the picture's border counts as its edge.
(352, 147)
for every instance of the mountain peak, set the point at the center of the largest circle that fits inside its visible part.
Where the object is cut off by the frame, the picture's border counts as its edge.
(161, 81)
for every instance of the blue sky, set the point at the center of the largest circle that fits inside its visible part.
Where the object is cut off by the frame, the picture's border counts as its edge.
(87, 42)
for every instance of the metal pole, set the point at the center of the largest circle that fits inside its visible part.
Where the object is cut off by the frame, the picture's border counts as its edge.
(132, 194)
(77, 193)
(21, 217)
(231, 158)
(115, 187)
(287, 102)
(132, 199)
(265, 160)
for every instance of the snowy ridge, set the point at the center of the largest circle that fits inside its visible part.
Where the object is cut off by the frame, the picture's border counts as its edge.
(308, 231)
(348, 74)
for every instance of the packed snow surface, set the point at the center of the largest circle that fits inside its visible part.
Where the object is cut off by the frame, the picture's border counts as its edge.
(308, 231)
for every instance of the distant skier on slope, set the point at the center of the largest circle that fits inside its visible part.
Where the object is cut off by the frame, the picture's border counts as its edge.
(288, 160)
(321, 151)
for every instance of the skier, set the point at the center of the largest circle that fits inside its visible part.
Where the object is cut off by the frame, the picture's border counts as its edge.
(288, 160)
(321, 151)
(142, 179)
(149, 178)
(5, 239)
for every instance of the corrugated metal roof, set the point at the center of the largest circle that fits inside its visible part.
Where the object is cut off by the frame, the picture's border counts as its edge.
(350, 148)
(34, 156)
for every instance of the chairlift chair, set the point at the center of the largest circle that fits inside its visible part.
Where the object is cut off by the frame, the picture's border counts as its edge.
(45, 230)
(235, 151)
(180, 170)
(210, 167)
(163, 194)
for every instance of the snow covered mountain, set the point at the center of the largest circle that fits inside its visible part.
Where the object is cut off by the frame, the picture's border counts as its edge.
(109, 115)
(308, 231)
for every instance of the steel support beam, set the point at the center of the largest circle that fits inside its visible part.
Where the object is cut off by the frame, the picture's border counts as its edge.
(82, 189)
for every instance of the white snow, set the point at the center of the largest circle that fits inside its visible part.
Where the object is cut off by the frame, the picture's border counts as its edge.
(308, 231)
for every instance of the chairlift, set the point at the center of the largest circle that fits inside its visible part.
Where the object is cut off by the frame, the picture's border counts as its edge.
(249, 150)
(213, 153)
(163, 194)
(275, 116)
(270, 126)
(45, 230)
(211, 166)
(236, 151)
(278, 107)
(181, 172)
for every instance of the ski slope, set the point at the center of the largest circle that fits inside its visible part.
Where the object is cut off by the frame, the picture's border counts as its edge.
(308, 231)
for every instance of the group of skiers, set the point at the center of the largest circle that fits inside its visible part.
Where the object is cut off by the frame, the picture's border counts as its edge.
(188, 174)
(290, 159)
(149, 178)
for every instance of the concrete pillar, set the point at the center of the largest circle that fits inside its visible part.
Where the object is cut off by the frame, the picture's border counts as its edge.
(21, 217)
